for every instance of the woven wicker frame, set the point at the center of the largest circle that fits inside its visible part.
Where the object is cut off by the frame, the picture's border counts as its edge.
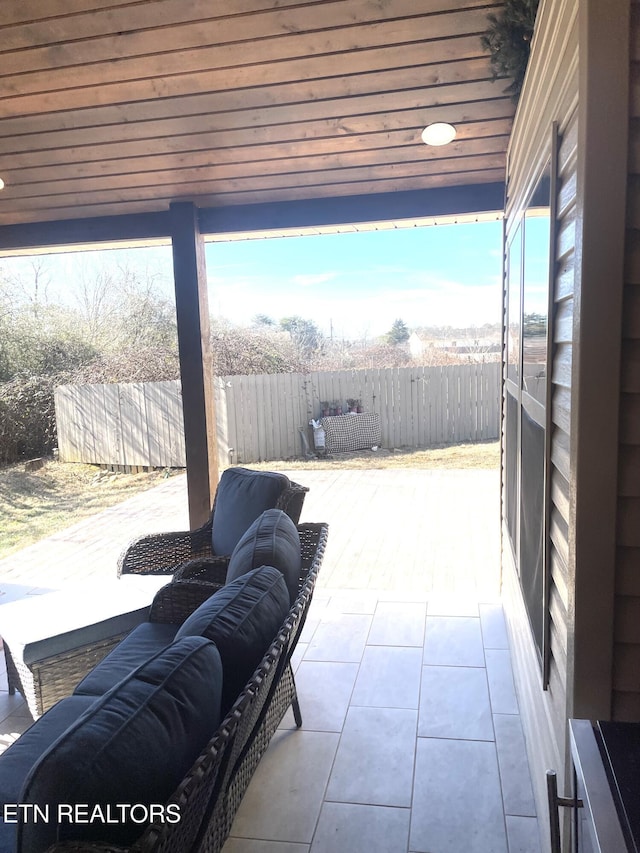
(211, 792)
(163, 553)
(44, 682)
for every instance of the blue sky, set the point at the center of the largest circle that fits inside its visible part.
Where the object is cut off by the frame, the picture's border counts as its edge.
(355, 283)
(361, 282)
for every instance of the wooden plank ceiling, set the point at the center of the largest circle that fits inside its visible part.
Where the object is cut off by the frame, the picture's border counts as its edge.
(112, 106)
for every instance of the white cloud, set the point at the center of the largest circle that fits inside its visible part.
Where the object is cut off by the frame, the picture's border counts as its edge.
(311, 279)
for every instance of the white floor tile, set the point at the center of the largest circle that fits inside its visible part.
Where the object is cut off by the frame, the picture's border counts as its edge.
(298, 654)
(397, 624)
(494, 629)
(456, 800)
(341, 637)
(523, 834)
(374, 762)
(12, 705)
(283, 801)
(452, 605)
(309, 629)
(324, 690)
(454, 703)
(517, 793)
(352, 602)
(251, 845)
(349, 828)
(389, 677)
(501, 686)
(453, 641)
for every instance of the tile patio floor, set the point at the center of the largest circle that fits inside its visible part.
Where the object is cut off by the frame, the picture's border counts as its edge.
(411, 739)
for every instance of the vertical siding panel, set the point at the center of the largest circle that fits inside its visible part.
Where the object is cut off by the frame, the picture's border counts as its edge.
(626, 692)
(551, 94)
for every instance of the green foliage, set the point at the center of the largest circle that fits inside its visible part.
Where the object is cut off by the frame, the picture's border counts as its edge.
(305, 335)
(263, 320)
(27, 417)
(399, 333)
(46, 342)
(120, 329)
(508, 40)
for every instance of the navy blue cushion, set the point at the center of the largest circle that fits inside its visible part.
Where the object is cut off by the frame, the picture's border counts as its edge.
(131, 746)
(142, 643)
(242, 619)
(272, 540)
(240, 498)
(17, 761)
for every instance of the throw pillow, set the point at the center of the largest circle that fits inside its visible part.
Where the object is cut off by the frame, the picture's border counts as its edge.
(242, 619)
(272, 540)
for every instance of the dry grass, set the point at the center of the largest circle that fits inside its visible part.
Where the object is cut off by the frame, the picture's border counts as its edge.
(481, 455)
(35, 504)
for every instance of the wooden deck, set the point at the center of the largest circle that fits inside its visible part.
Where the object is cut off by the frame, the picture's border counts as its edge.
(429, 533)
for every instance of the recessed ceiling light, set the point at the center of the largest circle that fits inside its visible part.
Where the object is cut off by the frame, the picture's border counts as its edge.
(1, 184)
(439, 133)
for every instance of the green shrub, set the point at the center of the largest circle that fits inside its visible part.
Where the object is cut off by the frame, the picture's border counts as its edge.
(27, 417)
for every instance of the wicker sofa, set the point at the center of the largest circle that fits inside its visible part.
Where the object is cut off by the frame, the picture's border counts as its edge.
(241, 496)
(207, 796)
(51, 644)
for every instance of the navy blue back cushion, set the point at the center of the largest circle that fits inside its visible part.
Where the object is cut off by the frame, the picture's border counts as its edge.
(272, 540)
(16, 762)
(131, 746)
(142, 643)
(240, 498)
(242, 619)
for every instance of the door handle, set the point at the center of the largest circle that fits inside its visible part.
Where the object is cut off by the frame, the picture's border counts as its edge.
(556, 802)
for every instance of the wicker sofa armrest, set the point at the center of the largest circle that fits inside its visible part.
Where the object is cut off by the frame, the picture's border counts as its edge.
(291, 500)
(161, 553)
(208, 569)
(176, 601)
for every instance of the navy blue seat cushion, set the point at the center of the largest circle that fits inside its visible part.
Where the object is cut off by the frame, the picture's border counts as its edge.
(242, 619)
(131, 746)
(17, 761)
(240, 498)
(272, 540)
(142, 643)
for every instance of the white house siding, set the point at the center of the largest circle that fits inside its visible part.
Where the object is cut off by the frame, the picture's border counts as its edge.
(550, 94)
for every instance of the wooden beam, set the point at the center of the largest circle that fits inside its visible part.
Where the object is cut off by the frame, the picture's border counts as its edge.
(444, 201)
(377, 207)
(76, 232)
(195, 360)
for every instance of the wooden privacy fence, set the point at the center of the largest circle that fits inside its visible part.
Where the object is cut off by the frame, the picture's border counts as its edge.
(259, 418)
(133, 424)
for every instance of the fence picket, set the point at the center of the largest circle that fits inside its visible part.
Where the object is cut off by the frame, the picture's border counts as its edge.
(259, 417)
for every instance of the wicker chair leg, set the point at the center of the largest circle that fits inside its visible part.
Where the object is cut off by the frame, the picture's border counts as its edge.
(295, 705)
(13, 680)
